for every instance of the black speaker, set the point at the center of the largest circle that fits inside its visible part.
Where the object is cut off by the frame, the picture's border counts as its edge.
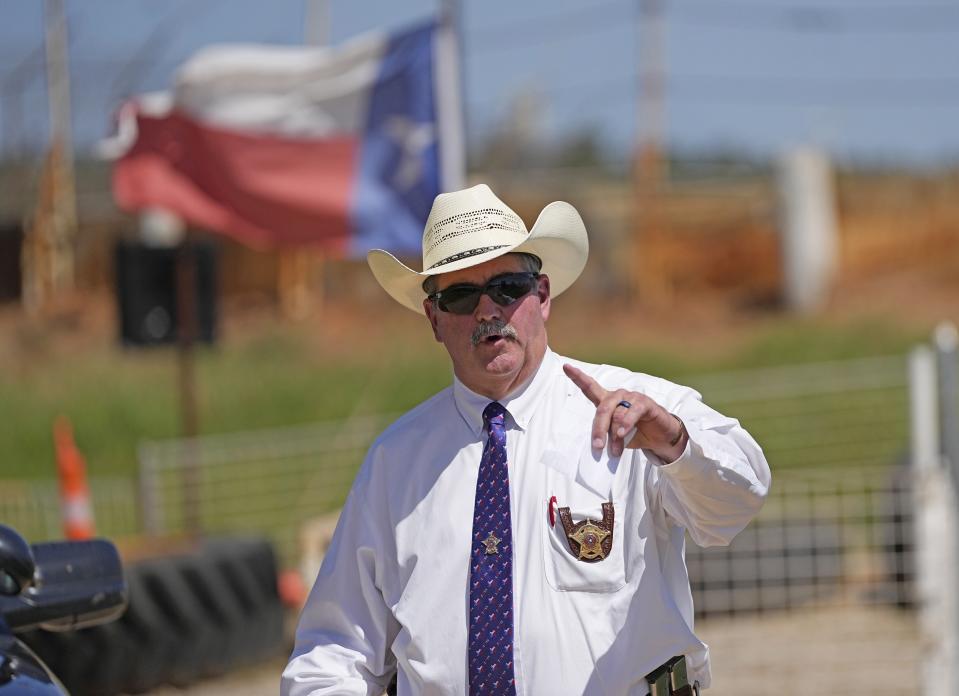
(146, 287)
(11, 246)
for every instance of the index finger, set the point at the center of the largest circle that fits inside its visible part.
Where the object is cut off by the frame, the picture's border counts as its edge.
(589, 386)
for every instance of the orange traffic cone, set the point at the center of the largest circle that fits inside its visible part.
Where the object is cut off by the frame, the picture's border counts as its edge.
(76, 508)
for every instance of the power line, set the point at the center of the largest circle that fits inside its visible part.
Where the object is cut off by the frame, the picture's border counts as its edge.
(563, 26)
(144, 59)
(886, 92)
(737, 15)
(926, 18)
(825, 19)
(871, 92)
(900, 9)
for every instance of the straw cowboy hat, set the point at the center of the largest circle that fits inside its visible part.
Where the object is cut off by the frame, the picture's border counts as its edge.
(466, 228)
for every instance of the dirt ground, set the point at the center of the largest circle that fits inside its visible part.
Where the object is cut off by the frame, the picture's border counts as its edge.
(256, 681)
(863, 650)
(859, 650)
(912, 299)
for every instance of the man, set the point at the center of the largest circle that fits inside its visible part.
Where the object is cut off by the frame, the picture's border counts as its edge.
(522, 532)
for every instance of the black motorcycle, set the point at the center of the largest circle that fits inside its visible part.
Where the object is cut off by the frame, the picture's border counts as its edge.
(56, 586)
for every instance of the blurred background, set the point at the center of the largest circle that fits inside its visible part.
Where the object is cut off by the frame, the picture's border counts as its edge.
(193, 371)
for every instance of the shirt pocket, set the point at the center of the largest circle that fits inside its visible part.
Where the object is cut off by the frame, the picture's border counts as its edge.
(564, 571)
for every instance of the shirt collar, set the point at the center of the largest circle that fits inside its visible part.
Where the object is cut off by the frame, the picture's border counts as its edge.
(521, 403)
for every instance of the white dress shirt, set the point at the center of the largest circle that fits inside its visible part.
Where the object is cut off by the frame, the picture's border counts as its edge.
(393, 589)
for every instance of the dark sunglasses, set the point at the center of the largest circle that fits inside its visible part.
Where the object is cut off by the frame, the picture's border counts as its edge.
(503, 289)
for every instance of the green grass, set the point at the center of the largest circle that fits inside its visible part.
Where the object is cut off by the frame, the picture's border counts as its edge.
(283, 375)
(280, 375)
(117, 398)
(784, 342)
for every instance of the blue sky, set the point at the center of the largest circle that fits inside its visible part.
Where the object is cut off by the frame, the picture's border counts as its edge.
(875, 80)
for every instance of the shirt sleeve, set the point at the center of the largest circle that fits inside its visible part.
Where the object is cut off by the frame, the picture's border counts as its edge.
(346, 627)
(719, 483)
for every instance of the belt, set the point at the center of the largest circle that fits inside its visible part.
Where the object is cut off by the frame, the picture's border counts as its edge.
(671, 679)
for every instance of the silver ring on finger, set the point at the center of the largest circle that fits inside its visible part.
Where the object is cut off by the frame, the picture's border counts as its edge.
(624, 404)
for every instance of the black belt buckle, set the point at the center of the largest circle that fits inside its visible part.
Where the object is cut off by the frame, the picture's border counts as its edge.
(671, 679)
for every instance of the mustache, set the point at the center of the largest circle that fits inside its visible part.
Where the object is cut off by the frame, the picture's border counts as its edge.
(496, 327)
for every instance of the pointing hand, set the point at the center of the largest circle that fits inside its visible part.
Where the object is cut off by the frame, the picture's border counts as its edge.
(643, 424)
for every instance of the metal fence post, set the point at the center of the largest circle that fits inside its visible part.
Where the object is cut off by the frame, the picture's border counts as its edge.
(934, 524)
(148, 487)
(923, 410)
(946, 340)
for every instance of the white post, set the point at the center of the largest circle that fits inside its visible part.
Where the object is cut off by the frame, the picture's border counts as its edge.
(923, 410)
(946, 340)
(808, 229)
(935, 530)
(148, 483)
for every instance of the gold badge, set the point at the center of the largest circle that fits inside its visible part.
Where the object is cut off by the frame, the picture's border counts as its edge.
(491, 542)
(589, 540)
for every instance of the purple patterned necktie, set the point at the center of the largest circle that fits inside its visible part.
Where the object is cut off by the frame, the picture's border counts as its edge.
(491, 568)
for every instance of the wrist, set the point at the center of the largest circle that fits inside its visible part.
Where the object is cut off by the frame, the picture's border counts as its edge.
(674, 449)
(681, 434)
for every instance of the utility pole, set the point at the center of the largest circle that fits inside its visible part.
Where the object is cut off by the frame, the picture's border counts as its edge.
(451, 74)
(48, 251)
(58, 88)
(301, 272)
(316, 31)
(652, 78)
(649, 166)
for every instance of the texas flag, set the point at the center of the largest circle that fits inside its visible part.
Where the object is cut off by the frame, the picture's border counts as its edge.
(276, 145)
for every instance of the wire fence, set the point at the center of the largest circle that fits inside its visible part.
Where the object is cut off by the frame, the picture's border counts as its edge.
(834, 539)
(33, 507)
(269, 482)
(827, 539)
(826, 584)
(813, 421)
(837, 526)
(833, 528)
